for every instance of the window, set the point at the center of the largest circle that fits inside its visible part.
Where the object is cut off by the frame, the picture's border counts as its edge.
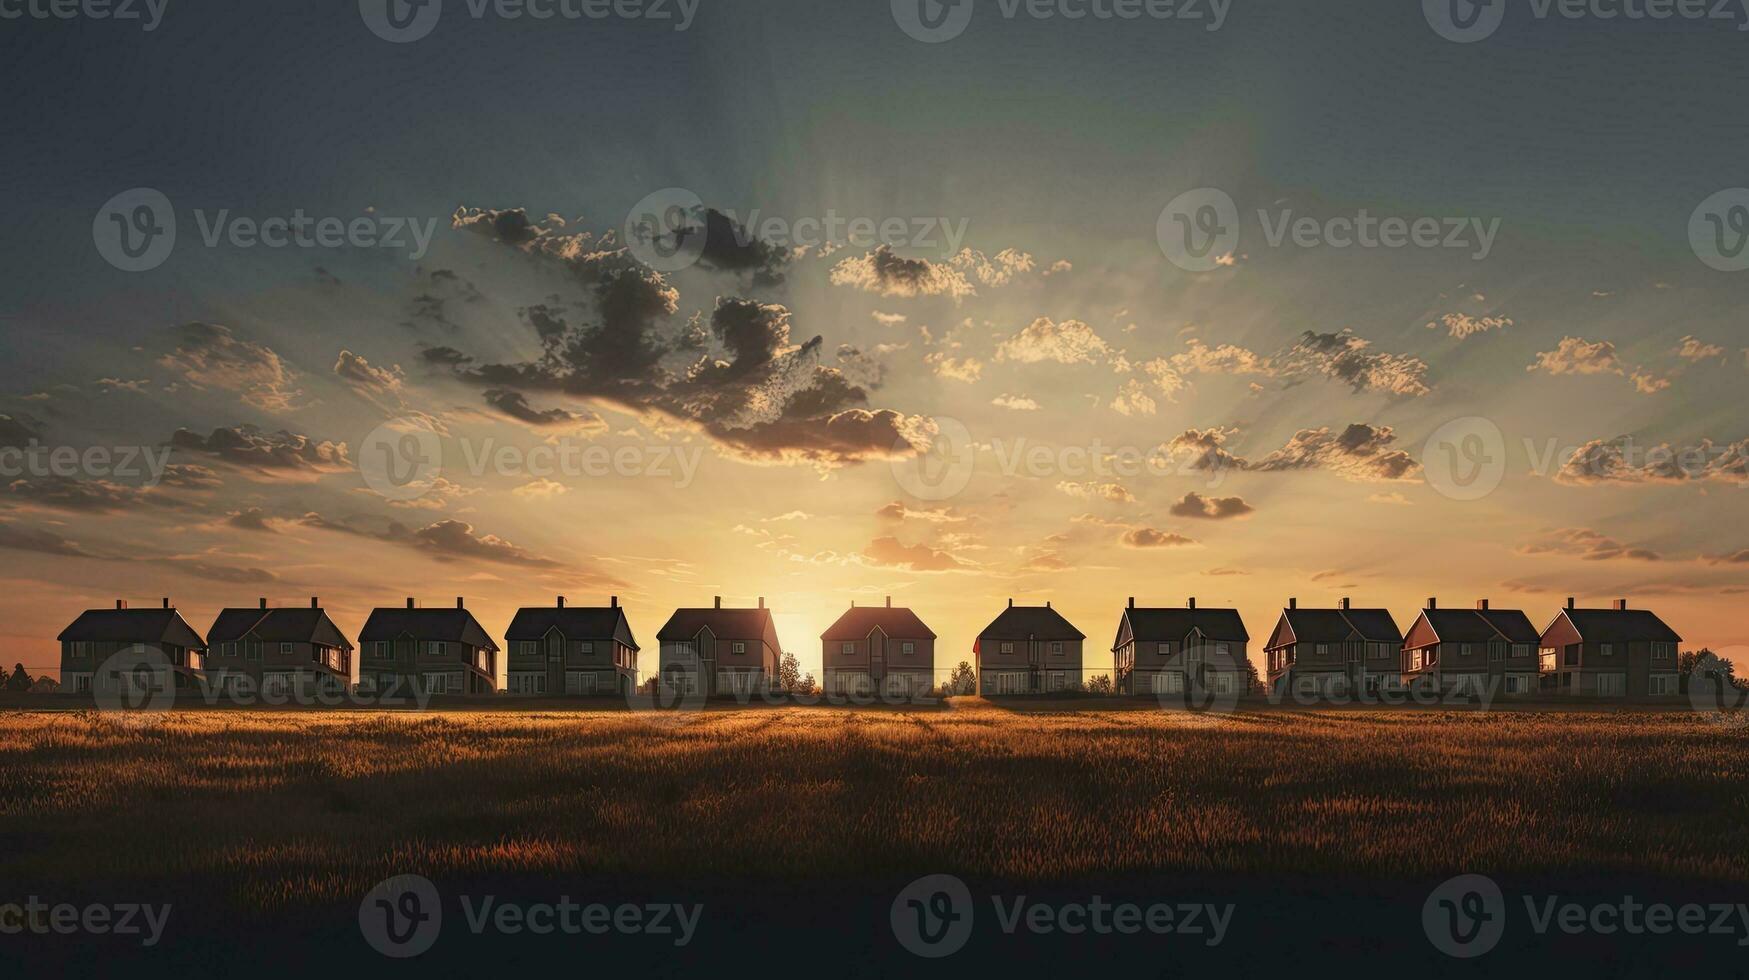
(252, 649)
(1351, 652)
(1415, 660)
(1606, 649)
(285, 650)
(1662, 684)
(1496, 652)
(1223, 650)
(434, 648)
(1007, 648)
(528, 648)
(586, 647)
(847, 649)
(1056, 648)
(1522, 649)
(1322, 649)
(1663, 651)
(739, 648)
(1517, 684)
(1466, 649)
(1165, 649)
(907, 648)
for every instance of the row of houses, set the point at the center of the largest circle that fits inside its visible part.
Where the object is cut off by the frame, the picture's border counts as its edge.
(888, 650)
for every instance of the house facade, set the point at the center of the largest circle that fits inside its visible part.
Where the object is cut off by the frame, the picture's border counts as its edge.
(718, 651)
(1614, 652)
(279, 651)
(1469, 652)
(410, 651)
(571, 650)
(1167, 650)
(1029, 650)
(878, 649)
(1332, 651)
(89, 642)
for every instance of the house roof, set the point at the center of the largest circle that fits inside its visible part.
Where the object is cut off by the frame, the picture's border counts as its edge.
(1480, 625)
(278, 625)
(1149, 625)
(1335, 625)
(1035, 622)
(133, 626)
(455, 625)
(574, 622)
(734, 623)
(1620, 625)
(859, 621)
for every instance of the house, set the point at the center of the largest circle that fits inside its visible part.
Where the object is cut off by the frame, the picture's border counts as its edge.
(1329, 651)
(1471, 651)
(1610, 652)
(1167, 650)
(719, 651)
(99, 634)
(404, 652)
(562, 649)
(1028, 650)
(279, 651)
(884, 649)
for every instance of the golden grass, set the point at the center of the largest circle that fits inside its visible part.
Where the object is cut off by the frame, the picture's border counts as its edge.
(277, 809)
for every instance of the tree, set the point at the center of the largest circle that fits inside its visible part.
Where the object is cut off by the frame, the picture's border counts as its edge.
(1253, 683)
(789, 672)
(20, 679)
(806, 684)
(1099, 684)
(963, 680)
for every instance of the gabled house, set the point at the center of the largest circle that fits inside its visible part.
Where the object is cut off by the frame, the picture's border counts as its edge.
(884, 649)
(562, 649)
(1325, 651)
(99, 634)
(403, 652)
(1612, 652)
(719, 651)
(1471, 651)
(1168, 650)
(279, 651)
(1028, 650)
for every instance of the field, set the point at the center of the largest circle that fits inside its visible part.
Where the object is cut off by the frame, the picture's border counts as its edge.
(276, 811)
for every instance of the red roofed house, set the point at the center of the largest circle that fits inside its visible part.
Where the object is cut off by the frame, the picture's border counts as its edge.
(1612, 652)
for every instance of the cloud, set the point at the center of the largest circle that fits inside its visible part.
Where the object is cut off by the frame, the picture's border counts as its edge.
(1133, 399)
(1463, 326)
(889, 552)
(1068, 342)
(1194, 504)
(887, 274)
(1147, 537)
(453, 540)
(899, 511)
(997, 270)
(78, 496)
(16, 537)
(541, 489)
(190, 476)
(1360, 452)
(281, 452)
(967, 369)
(1586, 544)
(252, 519)
(1690, 349)
(1624, 461)
(1344, 357)
(222, 573)
(513, 404)
(17, 433)
(1574, 355)
(888, 319)
(1046, 561)
(1208, 447)
(208, 355)
(1115, 493)
(1393, 497)
(1015, 403)
(366, 378)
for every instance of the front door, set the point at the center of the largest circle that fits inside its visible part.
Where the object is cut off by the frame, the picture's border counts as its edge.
(555, 649)
(877, 657)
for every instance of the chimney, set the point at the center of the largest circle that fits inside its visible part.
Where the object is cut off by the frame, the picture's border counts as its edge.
(1432, 602)
(719, 603)
(1569, 602)
(853, 603)
(1293, 603)
(458, 602)
(762, 602)
(1047, 603)
(1482, 605)
(1011, 602)
(1191, 604)
(889, 602)
(561, 602)
(613, 602)
(1620, 605)
(1132, 602)
(121, 603)
(410, 604)
(263, 602)
(1345, 602)
(167, 604)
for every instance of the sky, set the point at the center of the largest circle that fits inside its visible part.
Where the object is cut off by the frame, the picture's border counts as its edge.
(784, 300)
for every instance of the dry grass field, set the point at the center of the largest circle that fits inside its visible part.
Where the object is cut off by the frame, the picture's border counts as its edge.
(280, 810)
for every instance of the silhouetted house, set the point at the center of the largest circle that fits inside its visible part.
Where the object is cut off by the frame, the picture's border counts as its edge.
(1028, 650)
(884, 649)
(562, 649)
(719, 651)
(403, 652)
(279, 651)
(1167, 650)
(161, 650)
(1610, 652)
(1469, 651)
(1325, 651)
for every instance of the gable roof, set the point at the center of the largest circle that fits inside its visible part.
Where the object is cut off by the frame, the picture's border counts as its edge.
(287, 624)
(859, 621)
(737, 624)
(454, 625)
(1480, 625)
(1150, 625)
(575, 622)
(1619, 625)
(1035, 622)
(133, 626)
(1335, 625)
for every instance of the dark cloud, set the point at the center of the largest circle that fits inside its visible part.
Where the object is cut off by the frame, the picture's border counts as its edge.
(361, 374)
(17, 432)
(70, 494)
(252, 519)
(1147, 537)
(1194, 504)
(453, 540)
(16, 537)
(890, 552)
(190, 476)
(208, 355)
(248, 446)
(1624, 460)
(444, 356)
(514, 405)
(1588, 545)
(1351, 360)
